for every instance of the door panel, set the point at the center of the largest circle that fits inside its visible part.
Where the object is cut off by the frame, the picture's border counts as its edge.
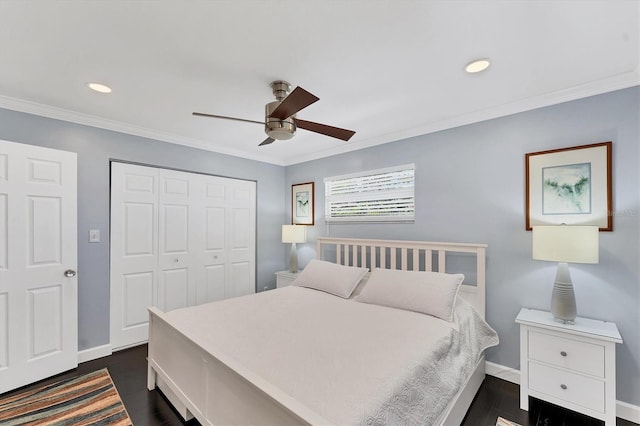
(139, 233)
(45, 325)
(215, 228)
(42, 171)
(240, 283)
(176, 186)
(4, 226)
(44, 233)
(4, 331)
(138, 289)
(176, 229)
(38, 242)
(175, 291)
(4, 170)
(214, 280)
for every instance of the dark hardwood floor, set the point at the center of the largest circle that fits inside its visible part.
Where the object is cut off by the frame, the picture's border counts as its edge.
(128, 369)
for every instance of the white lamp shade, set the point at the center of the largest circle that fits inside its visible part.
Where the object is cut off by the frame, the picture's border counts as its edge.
(294, 234)
(566, 243)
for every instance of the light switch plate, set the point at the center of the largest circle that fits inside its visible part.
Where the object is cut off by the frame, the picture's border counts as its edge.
(94, 235)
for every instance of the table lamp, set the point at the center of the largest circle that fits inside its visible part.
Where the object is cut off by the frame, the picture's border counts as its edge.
(294, 234)
(565, 244)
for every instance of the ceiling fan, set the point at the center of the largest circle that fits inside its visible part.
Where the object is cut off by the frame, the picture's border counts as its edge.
(280, 122)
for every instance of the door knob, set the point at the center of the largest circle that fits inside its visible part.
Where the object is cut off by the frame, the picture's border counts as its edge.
(69, 273)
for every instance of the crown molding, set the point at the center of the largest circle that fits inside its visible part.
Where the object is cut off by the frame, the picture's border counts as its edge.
(42, 110)
(597, 87)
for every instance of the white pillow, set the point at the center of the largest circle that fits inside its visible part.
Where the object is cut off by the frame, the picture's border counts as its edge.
(431, 293)
(330, 277)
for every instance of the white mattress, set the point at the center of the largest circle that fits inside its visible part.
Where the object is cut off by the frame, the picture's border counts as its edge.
(350, 362)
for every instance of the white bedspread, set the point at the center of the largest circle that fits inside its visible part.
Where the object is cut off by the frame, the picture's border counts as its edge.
(350, 362)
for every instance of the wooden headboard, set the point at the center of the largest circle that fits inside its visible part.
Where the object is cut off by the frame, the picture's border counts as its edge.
(409, 255)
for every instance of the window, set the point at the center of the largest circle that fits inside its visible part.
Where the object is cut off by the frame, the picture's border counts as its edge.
(373, 196)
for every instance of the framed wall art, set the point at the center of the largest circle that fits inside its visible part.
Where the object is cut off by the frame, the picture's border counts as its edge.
(302, 204)
(570, 185)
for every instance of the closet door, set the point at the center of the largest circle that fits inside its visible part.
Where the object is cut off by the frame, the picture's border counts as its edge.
(180, 237)
(229, 239)
(214, 249)
(134, 251)
(242, 242)
(177, 239)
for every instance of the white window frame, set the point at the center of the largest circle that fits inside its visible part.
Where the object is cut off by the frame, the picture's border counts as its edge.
(406, 193)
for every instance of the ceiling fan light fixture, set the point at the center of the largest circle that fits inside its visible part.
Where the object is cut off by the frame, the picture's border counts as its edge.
(275, 128)
(280, 130)
(477, 65)
(99, 87)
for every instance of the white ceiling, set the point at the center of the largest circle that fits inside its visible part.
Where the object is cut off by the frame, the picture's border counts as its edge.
(387, 69)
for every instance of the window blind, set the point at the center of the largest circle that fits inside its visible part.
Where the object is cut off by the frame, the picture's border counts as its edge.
(372, 196)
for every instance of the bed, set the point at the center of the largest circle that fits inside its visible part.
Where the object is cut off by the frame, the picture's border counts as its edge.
(297, 355)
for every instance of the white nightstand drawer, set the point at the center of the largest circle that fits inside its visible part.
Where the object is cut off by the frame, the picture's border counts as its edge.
(285, 278)
(570, 387)
(563, 352)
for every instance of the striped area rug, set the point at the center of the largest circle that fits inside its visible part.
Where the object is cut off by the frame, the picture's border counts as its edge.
(91, 399)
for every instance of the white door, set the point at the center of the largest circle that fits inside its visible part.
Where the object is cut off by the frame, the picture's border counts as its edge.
(134, 251)
(177, 239)
(230, 243)
(38, 262)
(242, 241)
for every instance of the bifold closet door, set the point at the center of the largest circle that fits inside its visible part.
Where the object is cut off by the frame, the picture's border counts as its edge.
(177, 239)
(229, 213)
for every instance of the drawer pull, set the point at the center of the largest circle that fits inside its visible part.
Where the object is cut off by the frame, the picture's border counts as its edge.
(564, 387)
(563, 353)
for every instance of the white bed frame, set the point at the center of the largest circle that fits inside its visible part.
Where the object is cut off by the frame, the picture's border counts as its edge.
(217, 390)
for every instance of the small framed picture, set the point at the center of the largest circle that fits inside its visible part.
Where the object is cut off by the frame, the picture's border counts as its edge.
(570, 185)
(302, 204)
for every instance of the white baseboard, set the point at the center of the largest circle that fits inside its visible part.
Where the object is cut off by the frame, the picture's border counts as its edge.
(501, 372)
(624, 410)
(628, 411)
(94, 353)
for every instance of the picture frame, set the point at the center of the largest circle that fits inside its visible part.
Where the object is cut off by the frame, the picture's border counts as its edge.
(570, 186)
(302, 204)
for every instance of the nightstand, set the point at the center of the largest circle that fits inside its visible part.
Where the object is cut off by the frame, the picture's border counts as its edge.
(285, 278)
(570, 365)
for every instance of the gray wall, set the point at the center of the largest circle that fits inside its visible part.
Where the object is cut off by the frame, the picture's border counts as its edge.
(470, 188)
(95, 147)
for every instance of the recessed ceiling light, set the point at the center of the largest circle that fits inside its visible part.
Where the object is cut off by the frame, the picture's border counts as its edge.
(99, 87)
(477, 65)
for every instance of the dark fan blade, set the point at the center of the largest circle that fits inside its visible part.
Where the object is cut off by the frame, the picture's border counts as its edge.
(267, 141)
(334, 132)
(293, 103)
(202, 114)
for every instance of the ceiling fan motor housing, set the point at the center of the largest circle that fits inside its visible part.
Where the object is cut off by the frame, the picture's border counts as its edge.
(275, 128)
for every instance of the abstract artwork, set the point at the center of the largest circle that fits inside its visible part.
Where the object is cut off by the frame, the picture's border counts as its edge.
(566, 189)
(569, 186)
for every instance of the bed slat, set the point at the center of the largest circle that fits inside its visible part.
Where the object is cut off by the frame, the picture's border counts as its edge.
(416, 260)
(442, 261)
